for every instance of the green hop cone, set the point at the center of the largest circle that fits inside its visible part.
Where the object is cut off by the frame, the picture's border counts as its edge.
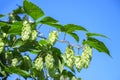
(86, 56)
(34, 34)
(70, 62)
(78, 63)
(49, 61)
(53, 35)
(2, 44)
(73, 78)
(14, 62)
(39, 63)
(69, 57)
(69, 52)
(26, 31)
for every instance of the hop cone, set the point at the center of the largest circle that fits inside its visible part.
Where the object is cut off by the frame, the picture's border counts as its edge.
(53, 35)
(78, 63)
(39, 63)
(1, 45)
(69, 57)
(49, 61)
(86, 56)
(26, 31)
(34, 34)
(14, 62)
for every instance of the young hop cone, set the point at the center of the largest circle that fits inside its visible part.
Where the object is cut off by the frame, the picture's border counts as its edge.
(2, 44)
(26, 31)
(53, 35)
(69, 57)
(34, 34)
(49, 61)
(86, 56)
(39, 63)
(14, 62)
(78, 64)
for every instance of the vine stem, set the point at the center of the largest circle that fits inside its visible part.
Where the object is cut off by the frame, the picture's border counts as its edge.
(66, 42)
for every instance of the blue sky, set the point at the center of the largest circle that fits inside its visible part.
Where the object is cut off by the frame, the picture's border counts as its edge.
(100, 16)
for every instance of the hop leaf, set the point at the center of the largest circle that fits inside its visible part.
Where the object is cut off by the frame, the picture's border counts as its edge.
(49, 61)
(34, 34)
(53, 35)
(26, 31)
(39, 63)
(2, 44)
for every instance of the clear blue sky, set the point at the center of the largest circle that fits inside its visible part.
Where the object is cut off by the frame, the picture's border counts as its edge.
(101, 16)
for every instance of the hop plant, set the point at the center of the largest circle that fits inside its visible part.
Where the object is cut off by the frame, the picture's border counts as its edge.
(2, 44)
(49, 61)
(53, 35)
(39, 63)
(14, 62)
(69, 56)
(86, 56)
(26, 31)
(34, 34)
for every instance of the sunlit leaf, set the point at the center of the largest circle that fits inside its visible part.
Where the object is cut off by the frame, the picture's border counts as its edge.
(72, 28)
(18, 43)
(95, 34)
(18, 71)
(75, 36)
(19, 10)
(16, 28)
(48, 19)
(33, 10)
(98, 45)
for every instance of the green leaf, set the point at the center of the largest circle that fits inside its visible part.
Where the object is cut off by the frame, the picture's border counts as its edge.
(35, 51)
(18, 43)
(31, 9)
(19, 10)
(75, 36)
(2, 15)
(2, 23)
(18, 71)
(48, 19)
(72, 28)
(98, 45)
(95, 34)
(16, 28)
(43, 42)
(55, 25)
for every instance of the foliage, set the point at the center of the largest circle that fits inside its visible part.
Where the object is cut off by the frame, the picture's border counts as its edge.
(19, 35)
